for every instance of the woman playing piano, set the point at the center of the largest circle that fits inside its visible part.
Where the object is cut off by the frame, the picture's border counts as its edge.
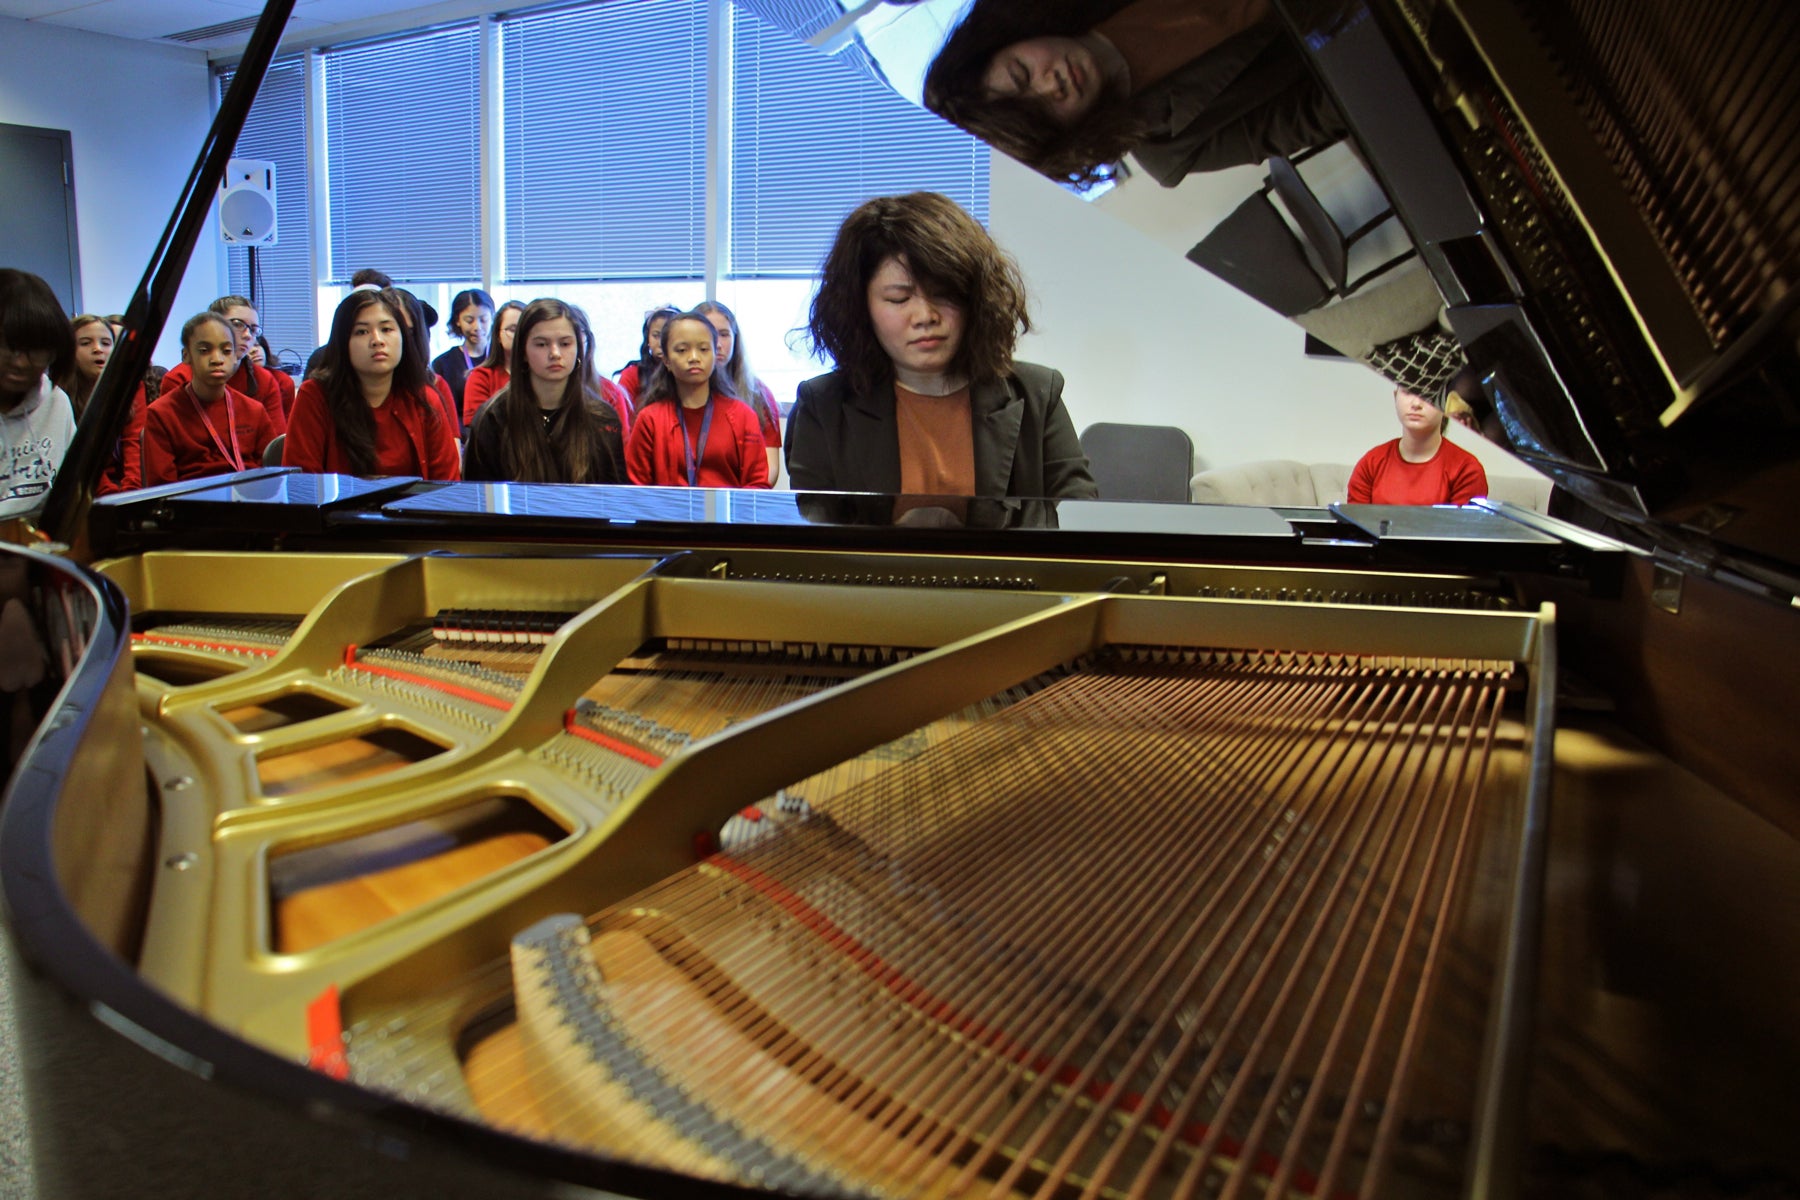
(371, 409)
(920, 311)
(551, 424)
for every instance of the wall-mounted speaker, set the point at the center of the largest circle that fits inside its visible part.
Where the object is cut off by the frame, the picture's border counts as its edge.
(247, 203)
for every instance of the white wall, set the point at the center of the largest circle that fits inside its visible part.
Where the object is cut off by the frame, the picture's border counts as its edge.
(1145, 337)
(136, 113)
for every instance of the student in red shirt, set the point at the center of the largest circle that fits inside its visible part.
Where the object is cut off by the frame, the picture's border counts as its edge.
(637, 374)
(1419, 466)
(256, 382)
(689, 432)
(486, 380)
(204, 426)
(370, 409)
(552, 424)
(735, 365)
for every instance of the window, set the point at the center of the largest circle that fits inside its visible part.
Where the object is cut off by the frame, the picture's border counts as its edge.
(403, 156)
(813, 137)
(605, 142)
(276, 131)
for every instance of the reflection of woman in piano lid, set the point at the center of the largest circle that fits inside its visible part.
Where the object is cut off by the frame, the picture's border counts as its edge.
(920, 311)
(1068, 87)
(371, 409)
(551, 424)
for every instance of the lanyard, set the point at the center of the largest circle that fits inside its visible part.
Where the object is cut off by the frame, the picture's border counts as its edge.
(687, 447)
(232, 455)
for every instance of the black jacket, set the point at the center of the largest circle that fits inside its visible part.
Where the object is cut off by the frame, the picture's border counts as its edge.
(1025, 444)
(484, 459)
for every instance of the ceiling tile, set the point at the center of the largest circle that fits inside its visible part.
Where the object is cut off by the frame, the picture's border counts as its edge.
(31, 10)
(148, 18)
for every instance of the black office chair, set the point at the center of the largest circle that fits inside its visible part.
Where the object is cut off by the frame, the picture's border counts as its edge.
(272, 451)
(1256, 252)
(1139, 462)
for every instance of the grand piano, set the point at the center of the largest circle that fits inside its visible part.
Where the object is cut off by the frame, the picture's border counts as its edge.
(388, 838)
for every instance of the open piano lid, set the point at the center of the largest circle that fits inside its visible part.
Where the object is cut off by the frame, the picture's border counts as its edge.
(1604, 195)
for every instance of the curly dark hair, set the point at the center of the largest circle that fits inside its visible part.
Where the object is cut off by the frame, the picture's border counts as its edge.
(343, 390)
(951, 258)
(1024, 127)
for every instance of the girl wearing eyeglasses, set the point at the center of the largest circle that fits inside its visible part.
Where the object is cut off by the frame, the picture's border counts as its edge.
(258, 383)
(690, 431)
(370, 409)
(204, 426)
(552, 423)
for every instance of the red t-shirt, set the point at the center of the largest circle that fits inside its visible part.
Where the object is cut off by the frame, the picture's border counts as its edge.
(628, 379)
(1451, 476)
(624, 403)
(479, 388)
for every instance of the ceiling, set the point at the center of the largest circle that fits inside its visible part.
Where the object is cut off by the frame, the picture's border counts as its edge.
(223, 26)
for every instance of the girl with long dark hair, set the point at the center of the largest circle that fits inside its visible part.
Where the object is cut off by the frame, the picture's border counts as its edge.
(552, 423)
(690, 431)
(370, 409)
(486, 380)
(734, 364)
(920, 311)
(95, 337)
(93, 347)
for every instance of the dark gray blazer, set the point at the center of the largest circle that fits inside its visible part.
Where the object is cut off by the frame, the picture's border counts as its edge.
(1025, 444)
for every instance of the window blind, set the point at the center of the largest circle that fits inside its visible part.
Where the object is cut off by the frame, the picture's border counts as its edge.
(276, 130)
(605, 142)
(813, 138)
(403, 156)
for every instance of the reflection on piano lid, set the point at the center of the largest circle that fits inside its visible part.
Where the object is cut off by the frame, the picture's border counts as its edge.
(281, 509)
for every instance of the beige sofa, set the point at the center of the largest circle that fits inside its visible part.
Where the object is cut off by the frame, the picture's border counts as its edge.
(1285, 482)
